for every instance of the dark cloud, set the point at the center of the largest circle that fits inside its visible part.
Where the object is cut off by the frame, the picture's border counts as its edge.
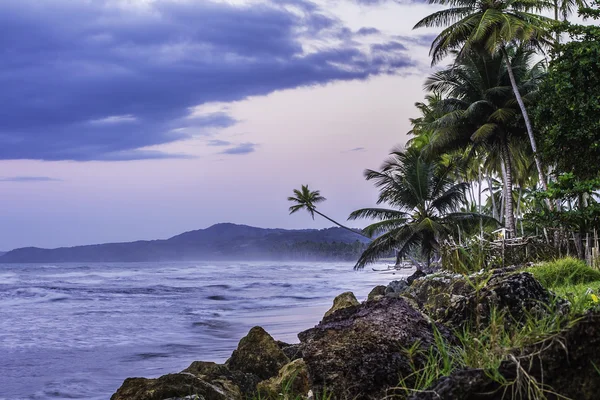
(389, 46)
(365, 31)
(355, 150)
(28, 179)
(243, 148)
(217, 142)
(93, 81)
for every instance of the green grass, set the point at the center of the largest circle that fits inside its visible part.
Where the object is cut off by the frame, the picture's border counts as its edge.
(564, 272)
(571, 279)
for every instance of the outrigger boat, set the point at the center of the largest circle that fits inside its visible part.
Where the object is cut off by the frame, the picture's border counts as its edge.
(394, 267)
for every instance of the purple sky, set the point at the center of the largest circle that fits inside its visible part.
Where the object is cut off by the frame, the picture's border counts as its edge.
(141, 119)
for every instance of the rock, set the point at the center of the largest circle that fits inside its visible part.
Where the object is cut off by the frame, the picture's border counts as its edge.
(292, 380)
(433, 293)
(377, 293)
(416, 275)
(292, 351)
(566, 364)
(258, 354)
(455, 299)
(512, 294)
(344, 300)
(220, 374)
(173, 387)
(357, 352)
(396, 287)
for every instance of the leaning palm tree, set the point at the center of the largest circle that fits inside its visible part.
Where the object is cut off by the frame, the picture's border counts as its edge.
(491, 26)
(306, 199)
(421, 207)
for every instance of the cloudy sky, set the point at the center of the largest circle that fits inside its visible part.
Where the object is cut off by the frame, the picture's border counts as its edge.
(141, 119)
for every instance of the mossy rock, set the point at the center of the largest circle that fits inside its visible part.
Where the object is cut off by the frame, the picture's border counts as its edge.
(220, 374)
(292, 380)
(344, 300)
(258, 354)
(377, 293)
(175, 386)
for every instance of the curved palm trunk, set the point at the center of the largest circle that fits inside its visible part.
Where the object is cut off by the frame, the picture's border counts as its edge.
(508, 185)
(536, 157)
(342, 226)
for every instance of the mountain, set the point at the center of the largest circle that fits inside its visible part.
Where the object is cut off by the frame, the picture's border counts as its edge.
(218, 242)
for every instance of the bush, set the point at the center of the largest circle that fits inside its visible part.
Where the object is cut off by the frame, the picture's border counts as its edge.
(562, 272)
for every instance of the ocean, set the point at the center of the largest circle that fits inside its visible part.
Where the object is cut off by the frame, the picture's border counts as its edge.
(76, 331)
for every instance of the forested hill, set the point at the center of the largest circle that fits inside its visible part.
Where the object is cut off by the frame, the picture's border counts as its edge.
(218, 242)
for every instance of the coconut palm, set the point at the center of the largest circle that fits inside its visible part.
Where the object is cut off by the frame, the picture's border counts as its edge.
(482, 114)
(421, 207)
(565, 8)
(306, 199)
(491, 26)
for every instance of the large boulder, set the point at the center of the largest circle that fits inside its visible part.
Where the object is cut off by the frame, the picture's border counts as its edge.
(258, 354)
(358, 352)
(455, 299)
(565, 365)
(344, 300)
(513, 295)
(292, 381)
(175, 387)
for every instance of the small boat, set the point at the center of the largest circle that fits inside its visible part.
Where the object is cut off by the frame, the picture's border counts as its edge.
(384, 269)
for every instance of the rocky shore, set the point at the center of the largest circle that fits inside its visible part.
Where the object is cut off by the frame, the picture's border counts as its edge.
(378, 349)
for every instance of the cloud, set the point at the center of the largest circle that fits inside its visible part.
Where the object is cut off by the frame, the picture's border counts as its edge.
(388, 47)
(366, 31)
(104, 79)
(243, 148)
(217, 142)
(28, 179)
(355, 150)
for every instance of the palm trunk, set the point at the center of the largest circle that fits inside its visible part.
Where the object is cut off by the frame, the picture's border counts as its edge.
(490, 187)
(519, 217)
(508, 204)
(557, 37)
(479, 200)
(342, 226)
(536, 157)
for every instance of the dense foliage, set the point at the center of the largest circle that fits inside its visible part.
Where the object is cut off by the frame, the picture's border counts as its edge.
(569, 105)
(471, 175)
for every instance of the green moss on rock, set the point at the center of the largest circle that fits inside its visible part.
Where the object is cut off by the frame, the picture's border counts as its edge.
(344, 300)
(258, 354)
(291, 380)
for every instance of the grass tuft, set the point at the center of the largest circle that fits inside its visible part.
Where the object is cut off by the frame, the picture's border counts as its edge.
(565, 271)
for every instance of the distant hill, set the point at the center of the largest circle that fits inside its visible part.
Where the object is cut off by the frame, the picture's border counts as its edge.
(218, 242)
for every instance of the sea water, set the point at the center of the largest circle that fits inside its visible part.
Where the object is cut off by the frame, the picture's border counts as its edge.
(76, 331)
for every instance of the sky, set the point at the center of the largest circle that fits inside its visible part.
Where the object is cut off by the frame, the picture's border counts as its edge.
(123, 120)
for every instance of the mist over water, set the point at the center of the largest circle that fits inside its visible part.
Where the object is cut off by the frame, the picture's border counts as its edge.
(75, 331)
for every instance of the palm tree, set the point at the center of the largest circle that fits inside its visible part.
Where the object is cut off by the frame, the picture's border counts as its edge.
(491, 26)
(421, 202)
(306, 199)
(564, 8)
(482, 115)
